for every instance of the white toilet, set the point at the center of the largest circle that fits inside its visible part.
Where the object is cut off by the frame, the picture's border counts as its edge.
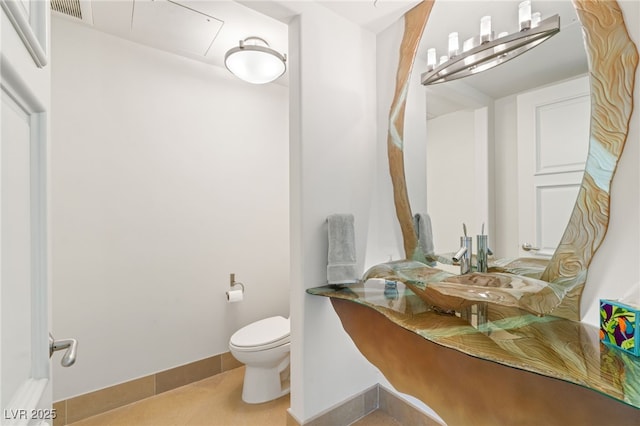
(263, 347)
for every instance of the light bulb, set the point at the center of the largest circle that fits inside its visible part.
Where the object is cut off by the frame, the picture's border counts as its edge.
(485, 29)
(431, 58)
(453, 45)
(535, 19)
(524, 15)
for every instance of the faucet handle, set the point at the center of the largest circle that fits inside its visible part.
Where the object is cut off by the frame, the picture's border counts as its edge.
(456, 257)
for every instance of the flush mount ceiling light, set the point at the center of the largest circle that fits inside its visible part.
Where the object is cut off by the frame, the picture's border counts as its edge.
(484, 52)
(255, 62)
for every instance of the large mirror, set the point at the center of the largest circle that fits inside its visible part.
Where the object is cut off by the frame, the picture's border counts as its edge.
(557, 288)
(472, 145)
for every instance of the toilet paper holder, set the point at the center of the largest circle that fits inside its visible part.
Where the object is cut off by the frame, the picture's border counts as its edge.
(233, 283)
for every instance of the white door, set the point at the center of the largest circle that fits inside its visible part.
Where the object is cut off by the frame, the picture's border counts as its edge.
(553, 142)
(25, 385)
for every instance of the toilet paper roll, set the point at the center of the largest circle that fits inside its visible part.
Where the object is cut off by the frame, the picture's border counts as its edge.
(234, 296)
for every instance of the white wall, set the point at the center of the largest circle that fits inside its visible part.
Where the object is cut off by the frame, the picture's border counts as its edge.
(341, 94)
(161, 187)
(451, 175)
(333, 169)
(506, 178)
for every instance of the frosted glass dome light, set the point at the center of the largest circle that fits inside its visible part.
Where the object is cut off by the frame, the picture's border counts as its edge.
(255, 62)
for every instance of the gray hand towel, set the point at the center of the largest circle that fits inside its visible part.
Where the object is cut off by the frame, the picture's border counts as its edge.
(422, 225)
(341, 265)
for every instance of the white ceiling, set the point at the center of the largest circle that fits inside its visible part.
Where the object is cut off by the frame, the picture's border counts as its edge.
(198, 29)
(374, 15)
(205, 29)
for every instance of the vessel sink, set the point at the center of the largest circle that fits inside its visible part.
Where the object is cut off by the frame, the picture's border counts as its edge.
(447, 291)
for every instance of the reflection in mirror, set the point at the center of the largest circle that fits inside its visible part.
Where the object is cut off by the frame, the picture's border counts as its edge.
(552, 134)
(557, 289)
(472, 129)
(482, 52)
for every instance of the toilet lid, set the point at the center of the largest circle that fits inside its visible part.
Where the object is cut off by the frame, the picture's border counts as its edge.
(263, 332)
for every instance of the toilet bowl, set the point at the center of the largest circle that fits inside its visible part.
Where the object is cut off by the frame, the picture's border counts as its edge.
(263, 347)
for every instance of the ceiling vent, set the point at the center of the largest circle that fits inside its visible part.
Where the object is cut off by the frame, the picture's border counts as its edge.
(67, 7)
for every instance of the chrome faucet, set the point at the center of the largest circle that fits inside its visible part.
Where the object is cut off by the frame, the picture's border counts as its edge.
(483, 254)
(463, 256)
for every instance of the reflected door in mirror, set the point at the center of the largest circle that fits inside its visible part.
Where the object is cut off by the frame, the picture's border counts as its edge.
(553, 125)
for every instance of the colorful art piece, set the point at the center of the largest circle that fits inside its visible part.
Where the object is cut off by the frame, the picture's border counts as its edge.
(619, 325)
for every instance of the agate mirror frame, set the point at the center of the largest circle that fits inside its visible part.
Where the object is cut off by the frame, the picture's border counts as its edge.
(613, 60)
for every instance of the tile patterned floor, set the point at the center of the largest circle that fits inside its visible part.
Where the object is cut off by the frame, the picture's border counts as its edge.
(215, 401)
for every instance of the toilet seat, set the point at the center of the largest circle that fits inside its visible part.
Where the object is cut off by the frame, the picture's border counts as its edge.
(261, 335)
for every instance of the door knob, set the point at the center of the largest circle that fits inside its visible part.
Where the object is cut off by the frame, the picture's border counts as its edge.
(71, 345)
(529, 247)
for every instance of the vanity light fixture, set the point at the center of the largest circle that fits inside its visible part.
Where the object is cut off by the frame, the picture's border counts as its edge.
(255, 62)
(483, 52)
